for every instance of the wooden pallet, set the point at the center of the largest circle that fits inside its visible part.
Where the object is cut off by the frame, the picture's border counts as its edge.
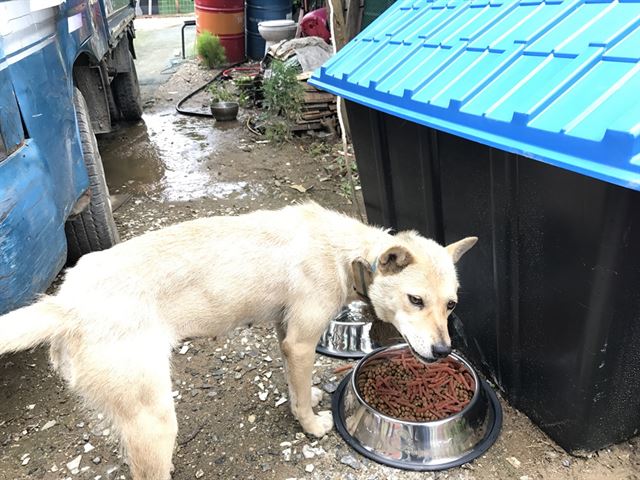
(319, 110)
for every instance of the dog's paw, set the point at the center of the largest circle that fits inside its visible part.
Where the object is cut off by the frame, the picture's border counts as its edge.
(322, 424)
(316, 396)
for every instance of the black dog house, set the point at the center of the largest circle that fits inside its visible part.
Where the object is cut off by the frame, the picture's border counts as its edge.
(518, 122)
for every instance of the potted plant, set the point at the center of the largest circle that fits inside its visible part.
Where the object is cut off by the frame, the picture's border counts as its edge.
(224, 106)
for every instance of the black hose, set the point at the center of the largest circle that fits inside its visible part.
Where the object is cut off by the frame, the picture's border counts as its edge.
(197, 90)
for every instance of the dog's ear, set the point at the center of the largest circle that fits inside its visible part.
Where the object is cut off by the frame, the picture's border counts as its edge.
(459, 248)
(394, 260)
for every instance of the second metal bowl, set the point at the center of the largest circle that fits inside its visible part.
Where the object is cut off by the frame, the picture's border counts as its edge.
(434, 445)
(348, 335)
(224, 111)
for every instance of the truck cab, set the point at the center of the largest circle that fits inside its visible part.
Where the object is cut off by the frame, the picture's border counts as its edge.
(66, 73)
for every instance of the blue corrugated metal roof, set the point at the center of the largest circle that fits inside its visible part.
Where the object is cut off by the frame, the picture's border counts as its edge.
(557, 81)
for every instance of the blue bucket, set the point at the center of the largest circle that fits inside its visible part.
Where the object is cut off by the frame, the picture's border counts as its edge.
(259, 11)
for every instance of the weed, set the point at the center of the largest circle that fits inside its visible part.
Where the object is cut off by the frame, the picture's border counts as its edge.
(283, 92)
(220, 92)
(247, 90)
(210, 50)
(277, 130)
(348, 180)
(283, 95)
(318, 149)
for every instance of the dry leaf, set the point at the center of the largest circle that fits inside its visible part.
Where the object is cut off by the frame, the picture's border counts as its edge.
(300, 188)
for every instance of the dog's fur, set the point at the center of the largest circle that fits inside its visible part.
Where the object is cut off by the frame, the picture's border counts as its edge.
(119, 312)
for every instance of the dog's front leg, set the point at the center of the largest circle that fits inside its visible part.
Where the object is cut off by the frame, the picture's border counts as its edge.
(299, 356)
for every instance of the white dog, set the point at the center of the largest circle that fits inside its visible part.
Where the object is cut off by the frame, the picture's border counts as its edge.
(119, 312)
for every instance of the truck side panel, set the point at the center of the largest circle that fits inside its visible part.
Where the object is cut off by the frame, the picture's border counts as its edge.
(41, 181)
(32, 241)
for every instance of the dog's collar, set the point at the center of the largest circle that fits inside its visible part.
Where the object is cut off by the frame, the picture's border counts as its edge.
(363, 272)
(374, 265)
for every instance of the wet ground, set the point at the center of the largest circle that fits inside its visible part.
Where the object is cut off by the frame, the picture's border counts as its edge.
(168, 168)
(158, 49)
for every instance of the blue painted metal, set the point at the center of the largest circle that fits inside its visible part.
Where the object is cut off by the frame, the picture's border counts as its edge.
(41, 180)
(556, 81)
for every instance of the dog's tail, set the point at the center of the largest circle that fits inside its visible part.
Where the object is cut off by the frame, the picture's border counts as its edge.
(27, 327)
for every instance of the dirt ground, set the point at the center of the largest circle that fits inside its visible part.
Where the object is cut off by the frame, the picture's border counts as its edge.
(168, 168)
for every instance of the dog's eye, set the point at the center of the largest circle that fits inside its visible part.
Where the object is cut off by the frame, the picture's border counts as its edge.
(417, 301)
(451, 305)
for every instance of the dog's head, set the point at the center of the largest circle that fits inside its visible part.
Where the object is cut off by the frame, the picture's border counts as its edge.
(414, 287)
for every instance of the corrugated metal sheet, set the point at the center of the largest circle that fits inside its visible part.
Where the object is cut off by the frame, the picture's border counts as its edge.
(557, 81)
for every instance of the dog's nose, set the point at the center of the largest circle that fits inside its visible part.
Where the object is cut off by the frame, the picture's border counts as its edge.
(440, 350)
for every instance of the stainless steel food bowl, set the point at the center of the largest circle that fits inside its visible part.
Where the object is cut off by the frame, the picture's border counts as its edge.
(435, 445)
(348, 335)
(224, 111)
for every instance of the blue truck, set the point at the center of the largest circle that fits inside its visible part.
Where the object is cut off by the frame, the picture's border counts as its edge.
(66, 73)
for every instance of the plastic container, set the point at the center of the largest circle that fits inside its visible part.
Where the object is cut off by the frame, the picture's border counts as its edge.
(517, 122)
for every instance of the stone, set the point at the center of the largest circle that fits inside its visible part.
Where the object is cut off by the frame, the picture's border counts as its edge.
(286, 454)
(330, 387)
(48, 425)
(513, 461)
(350, 461)
(75, 463)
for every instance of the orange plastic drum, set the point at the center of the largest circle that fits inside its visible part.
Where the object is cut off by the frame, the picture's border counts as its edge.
(225, 19)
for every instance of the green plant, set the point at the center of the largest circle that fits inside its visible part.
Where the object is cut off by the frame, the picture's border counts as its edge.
(220, 92)
(283, 93)
(246, 87)
(210, 49)
(318, 149)
(349, 180)
(277, 130)
(283, 96)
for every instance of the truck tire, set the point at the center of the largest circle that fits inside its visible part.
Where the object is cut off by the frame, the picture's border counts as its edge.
(126, 91)
(94, 228)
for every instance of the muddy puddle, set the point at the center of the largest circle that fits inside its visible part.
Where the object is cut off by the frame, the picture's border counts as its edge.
(174, 158)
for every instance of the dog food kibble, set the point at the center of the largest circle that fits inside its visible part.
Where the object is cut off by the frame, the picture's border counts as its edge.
(407, 389)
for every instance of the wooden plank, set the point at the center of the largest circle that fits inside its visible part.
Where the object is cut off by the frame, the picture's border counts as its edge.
(338, 26)
(316, 106)
(306, 126)
(317, 97)
(353, 19)
(316, 116)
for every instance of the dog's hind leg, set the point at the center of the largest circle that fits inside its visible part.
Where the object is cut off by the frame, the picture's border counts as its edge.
(298, 349)
(149, 438)
(134, 389)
